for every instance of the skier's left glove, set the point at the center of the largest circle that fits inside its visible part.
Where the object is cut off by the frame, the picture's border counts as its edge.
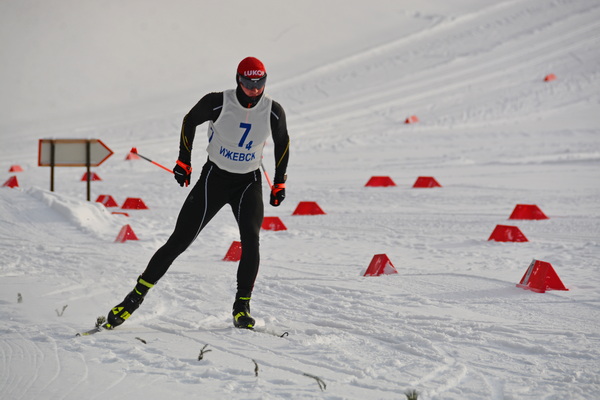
(277, 194)
(183, 173)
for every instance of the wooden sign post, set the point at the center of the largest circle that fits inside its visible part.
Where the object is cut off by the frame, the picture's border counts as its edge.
(72, 153)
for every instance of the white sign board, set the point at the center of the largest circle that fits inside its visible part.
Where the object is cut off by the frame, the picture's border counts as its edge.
(72, 152)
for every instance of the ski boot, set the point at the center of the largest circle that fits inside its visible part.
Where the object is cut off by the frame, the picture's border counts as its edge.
(241, 313)
(132, 301)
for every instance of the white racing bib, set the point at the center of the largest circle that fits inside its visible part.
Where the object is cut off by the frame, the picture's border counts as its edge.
(237, 138)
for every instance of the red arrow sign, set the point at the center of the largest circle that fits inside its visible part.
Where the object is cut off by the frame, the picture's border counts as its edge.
(72, 152)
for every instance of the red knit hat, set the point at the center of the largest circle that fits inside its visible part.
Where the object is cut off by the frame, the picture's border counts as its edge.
(251, 68)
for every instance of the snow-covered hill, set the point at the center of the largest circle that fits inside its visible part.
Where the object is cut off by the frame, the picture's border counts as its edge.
(451, 324)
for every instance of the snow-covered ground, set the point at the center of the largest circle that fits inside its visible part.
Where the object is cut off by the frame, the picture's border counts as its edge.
(451, 324)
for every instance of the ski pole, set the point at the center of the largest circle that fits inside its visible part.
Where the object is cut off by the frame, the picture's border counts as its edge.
(134, 151)
(266, 175)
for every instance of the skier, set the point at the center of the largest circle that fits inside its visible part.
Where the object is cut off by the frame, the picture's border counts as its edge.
(240, 121)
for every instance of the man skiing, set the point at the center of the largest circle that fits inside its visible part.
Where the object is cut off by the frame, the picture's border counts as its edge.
(240, 121)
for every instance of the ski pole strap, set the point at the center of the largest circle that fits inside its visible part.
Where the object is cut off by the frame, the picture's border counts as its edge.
(187, 168)
(278, 187)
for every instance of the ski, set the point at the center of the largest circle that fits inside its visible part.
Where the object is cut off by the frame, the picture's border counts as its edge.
(90, 332)
(101, 325)
(268, 332)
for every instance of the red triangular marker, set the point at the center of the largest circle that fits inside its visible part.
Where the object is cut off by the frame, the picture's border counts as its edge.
(134, 203)
(426, 182)
(376, 181)
(234, 253)
(505, 233)
(308, 208)
(132, 156)
(539, 277)
(93, 177)
(107, 200)
(273, 224)
(125, 234)
(380, 265)
(12, 182)
(527, 211)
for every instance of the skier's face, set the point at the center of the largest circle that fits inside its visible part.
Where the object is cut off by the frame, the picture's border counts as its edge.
(252, 92)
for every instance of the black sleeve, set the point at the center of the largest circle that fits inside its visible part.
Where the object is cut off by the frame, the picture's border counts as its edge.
(281, 140)
(207, 109)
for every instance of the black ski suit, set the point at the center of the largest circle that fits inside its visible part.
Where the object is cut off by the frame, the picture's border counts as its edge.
(217, 187)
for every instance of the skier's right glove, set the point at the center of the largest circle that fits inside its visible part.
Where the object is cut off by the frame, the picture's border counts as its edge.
(183, 173)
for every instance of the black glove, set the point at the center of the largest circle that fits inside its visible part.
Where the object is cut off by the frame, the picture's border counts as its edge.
(183, 173)
(277, 194)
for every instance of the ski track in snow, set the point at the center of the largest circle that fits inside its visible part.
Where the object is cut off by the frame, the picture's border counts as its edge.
(443, 83)
(450, 324)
